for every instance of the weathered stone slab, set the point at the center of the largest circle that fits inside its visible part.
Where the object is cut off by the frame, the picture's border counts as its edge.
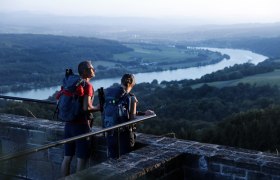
(155, 157)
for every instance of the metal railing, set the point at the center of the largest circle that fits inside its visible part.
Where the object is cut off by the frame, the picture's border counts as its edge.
(27, 99)
(60, 142)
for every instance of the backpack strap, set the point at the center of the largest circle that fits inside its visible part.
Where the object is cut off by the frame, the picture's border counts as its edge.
(127, 98)
(67, 93)
(55, 114)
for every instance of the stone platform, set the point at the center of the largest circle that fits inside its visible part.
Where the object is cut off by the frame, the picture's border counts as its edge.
(155, 157)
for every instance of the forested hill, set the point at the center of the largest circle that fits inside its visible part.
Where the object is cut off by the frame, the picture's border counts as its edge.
(242, 115)
(42, 59)
(30, 61)
(266, 46)
(230, 115)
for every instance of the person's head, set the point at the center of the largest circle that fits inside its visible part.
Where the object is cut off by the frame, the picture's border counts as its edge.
(86, 69)
(128, 80)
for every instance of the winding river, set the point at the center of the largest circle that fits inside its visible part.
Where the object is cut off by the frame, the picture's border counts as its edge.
(237, 56)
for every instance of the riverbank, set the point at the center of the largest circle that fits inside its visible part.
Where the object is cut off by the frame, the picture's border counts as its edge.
(236, 57)
(36, 61)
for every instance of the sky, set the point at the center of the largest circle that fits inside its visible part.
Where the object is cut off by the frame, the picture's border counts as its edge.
(251, 11)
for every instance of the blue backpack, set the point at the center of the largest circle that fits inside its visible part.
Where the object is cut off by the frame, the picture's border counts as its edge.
(69, 101)
(116, 107)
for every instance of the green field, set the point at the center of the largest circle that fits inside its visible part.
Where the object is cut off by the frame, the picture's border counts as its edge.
(271, 78)
(165, 57)
(162, 53)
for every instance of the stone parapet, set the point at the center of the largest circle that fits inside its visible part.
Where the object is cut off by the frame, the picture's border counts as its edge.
(155, 156)
(165, 158)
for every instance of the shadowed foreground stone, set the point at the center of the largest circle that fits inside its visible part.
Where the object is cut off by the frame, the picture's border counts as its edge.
(156, 157)
(185, 160)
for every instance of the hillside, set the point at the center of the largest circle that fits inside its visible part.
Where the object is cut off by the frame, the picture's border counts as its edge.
(206, 113)
(231, 112)
(265, 73)
(270, 78)
(268, 46)
(228, 107)
(254, 129)
(31, 61)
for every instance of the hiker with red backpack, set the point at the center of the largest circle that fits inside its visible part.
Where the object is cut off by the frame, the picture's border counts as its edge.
(75, 107)
(119, 107)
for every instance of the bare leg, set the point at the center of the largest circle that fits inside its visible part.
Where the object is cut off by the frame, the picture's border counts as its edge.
(81, 164)
(65, 167)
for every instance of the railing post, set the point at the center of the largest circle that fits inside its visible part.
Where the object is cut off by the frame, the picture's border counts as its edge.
(119, 147)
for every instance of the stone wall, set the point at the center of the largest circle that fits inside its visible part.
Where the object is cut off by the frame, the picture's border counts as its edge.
(166, 158)
(18, 133)
(156, 157)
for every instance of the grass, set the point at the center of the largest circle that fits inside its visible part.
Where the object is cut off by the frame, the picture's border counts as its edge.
(271, 78)
(161, 54)
(172, 57)
(165, 54)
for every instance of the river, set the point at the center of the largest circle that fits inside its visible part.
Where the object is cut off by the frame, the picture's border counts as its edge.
(237, 56)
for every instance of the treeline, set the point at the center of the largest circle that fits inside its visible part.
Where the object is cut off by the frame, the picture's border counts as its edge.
(236, 71)
(205, 113)
(206, 103)
(266, 46)
(40, 60)
(193, 113)
(254, 129)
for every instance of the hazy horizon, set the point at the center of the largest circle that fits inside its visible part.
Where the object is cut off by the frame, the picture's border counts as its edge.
(128, 20)
(205, 12)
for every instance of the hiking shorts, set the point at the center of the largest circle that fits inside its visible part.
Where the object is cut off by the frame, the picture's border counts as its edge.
(79, 147)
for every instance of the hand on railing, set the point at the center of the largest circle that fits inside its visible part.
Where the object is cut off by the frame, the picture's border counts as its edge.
(149, 112)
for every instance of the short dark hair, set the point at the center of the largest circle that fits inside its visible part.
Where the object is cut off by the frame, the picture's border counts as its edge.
(128, 79)
(83, 66)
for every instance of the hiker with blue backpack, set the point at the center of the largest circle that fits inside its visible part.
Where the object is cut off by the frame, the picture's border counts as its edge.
(119, 107)
(75, 107)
